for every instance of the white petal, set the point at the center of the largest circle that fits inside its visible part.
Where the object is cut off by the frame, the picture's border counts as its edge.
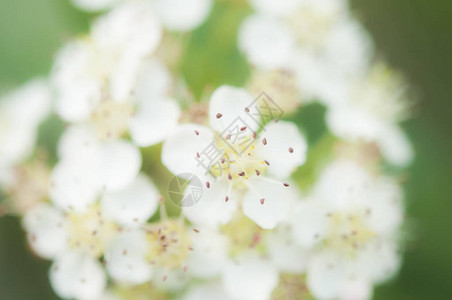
(78, 143)
(78, 90)
(180, 148)
(21, 111)
(209, 253)
(309, 223)
(153, 121)
(395, 146)
(126, 258)
(343, 183)
(231, 103)
(118, 165)
(325, 276)
(73, 186)
(133, 205)
(356, 290)
(266, 41)
(250, 279)
(212, 209)
(131, 27)
(353, 124)
(277, 201)
(386, 207)
(75, 275)
(45, 228)
(281, 137)
(182, 15)
(285, 254)
(154, 80)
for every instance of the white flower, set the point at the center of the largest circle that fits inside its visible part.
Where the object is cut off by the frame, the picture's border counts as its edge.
(182, 15)
(77, 238)
(87, 166)
(21, 112)
(253, 177)
(137, 255)
(369, 111)
(350, 227)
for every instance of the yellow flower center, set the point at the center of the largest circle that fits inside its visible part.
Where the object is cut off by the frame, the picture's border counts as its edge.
(90, 232)
(111, 119)
(170, 243)
(348, 233)
(244, 234)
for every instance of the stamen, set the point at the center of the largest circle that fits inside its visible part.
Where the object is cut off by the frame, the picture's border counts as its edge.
(197, 132)
(219, 115)
(291, 150)
(258, 172)
(229, 176)
(228, 137)
(243, 128)
(286, 184)
(226, 199)
(196, 230)
(247, 109)
(264, 141)
(276, 120)
(262, 201)
(208, 185)
(266, 162)
(197, 155)
(242, 173)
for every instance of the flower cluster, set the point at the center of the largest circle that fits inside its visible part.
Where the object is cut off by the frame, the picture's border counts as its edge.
(264, 212)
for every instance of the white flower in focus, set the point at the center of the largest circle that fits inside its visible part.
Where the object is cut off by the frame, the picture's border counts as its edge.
(350, 226)
(182, 15)
(21, 112)
(256, 177)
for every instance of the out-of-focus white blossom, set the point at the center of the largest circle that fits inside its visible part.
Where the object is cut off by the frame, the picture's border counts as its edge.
(21, 112)
(350, 226)
(182, 15)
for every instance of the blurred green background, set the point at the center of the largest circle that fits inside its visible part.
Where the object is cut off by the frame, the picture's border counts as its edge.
(414, 36)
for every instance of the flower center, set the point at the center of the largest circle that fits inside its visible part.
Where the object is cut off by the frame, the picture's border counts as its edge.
(291, 286)
(111, 119)
(170, 243)
(244, 235)
(237, 167)
(348, 232)
(89, 231)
